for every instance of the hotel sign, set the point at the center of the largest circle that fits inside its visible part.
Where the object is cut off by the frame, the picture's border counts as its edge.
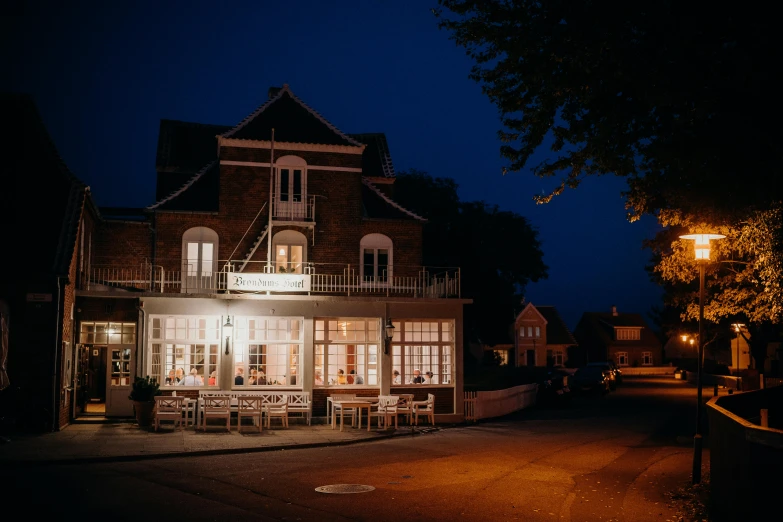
(269, 282)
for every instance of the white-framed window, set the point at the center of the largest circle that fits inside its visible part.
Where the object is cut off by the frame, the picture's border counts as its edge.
(538, 332)
(555, 357)
(290, 188)
(184, 350)
(268, 350)
(647, 359)
(199, 259)
(346, 351)
(376, 259)
(627, 334)
(622, 358)
(502, 356)
(426, 345)
(290, 248)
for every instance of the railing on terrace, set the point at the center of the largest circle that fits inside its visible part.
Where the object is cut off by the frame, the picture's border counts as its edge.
(173, 276)
(296, 208)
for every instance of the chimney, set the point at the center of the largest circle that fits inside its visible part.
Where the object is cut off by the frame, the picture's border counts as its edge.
(614, 310)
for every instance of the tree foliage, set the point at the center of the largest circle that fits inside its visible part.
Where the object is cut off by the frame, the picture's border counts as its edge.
(498, 251)
(676, 96)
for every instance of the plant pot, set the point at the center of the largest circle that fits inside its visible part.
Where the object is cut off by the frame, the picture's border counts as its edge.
(144, 412)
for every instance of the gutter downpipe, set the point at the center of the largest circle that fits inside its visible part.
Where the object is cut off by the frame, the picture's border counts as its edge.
(271, 209)
(57, 343)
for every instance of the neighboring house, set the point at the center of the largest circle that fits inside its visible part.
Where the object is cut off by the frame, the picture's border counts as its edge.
(623, 338)
(540, 338)
(275, 250)
(45, 207)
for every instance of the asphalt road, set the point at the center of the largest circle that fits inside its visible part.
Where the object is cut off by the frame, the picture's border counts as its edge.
(600, 458)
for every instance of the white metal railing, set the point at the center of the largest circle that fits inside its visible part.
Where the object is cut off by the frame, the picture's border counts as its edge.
(302, 210)
(325, 278)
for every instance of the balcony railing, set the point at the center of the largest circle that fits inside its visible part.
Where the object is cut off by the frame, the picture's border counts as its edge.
(291, 210)
(323, 278)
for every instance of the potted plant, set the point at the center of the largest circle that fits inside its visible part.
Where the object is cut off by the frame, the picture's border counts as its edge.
(143, 396)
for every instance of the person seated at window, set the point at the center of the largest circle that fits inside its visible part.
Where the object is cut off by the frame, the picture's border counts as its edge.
(180, 375)
(261, 377)
(417, 378)
(172, 378)
(341, 379)
(213, 378)
(349, 378)
(239, 378)
(319, 380)
(355, 379)
(427, 377)
(396, 377)
(193, 379)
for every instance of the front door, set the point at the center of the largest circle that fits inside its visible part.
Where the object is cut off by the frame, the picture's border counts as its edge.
(90, 382)
(119, 381)
(531, 357)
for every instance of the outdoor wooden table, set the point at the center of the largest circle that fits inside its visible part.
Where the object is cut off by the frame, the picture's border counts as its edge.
(359, 405)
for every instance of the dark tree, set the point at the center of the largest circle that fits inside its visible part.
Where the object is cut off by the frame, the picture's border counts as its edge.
(679, 97)
(498, 252)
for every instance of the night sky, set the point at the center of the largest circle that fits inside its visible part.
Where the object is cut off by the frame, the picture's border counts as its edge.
(103, 76)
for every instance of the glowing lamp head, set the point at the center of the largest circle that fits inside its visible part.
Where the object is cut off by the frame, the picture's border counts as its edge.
(702, 244)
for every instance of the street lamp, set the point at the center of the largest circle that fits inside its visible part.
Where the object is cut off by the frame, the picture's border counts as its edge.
(388, 334)
(227, 329)
(702, 251)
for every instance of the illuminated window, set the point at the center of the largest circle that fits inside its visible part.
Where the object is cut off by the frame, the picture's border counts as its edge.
(290, 189)
(346, 351)
(627, 334)
(180, 344)
(538, 332)
(502, 356)
(290, 248)
(424, 345)
(269, 350)
(376, 258)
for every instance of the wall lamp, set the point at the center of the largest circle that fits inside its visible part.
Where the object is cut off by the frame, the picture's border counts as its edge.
(389, 333)
(227, 329)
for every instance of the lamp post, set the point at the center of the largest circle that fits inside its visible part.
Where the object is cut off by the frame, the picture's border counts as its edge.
(227, 329)
(702, 252)
(388, 335)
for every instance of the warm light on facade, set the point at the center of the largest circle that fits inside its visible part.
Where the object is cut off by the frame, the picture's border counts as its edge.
(702, 244)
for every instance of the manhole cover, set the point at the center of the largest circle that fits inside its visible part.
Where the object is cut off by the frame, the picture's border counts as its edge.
(344, 488)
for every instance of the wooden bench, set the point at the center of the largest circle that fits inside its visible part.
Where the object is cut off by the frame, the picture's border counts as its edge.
(298, 401)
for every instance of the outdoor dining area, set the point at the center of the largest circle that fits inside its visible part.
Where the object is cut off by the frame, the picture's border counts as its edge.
(387, 409)
(262, 408)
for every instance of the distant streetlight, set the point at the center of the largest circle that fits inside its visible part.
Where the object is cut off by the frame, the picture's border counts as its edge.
(702, 254)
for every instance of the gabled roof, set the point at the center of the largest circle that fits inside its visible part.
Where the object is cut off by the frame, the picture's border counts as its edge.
(376, 204)
(597, 328)
(199, 193)
(35, 163)
(376, 159)
(556, 330)
(528, 307)
(293, 121)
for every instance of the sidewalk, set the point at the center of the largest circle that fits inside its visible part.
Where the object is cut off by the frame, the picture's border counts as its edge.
(124, 441)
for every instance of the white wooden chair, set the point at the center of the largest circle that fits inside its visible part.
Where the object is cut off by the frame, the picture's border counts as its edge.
(425, 409)
(337, 407)
(299, 402)
(277, 409)
(249, 406)
(387, 410)
(215, 407)
(168, 408)
(405, 407)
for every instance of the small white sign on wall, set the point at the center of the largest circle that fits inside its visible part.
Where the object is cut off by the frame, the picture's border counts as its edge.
(259, 282)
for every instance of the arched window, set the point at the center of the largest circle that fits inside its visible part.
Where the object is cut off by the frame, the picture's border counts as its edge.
(290, 188)
(376, 258)
(199, 259)
(290, 251)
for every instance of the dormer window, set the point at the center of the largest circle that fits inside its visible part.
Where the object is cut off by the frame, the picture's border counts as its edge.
(627, 334)
(376, 258)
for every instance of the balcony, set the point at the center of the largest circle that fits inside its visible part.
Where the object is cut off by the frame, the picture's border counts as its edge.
(296, 209)
(176, 277)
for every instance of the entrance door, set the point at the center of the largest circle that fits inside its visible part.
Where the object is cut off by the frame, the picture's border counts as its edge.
(118, 381)
(531, 357)
(91, 380)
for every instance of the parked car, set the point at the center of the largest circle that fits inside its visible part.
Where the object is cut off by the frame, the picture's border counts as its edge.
(554, 389)
(591, 379)
(615, 377)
